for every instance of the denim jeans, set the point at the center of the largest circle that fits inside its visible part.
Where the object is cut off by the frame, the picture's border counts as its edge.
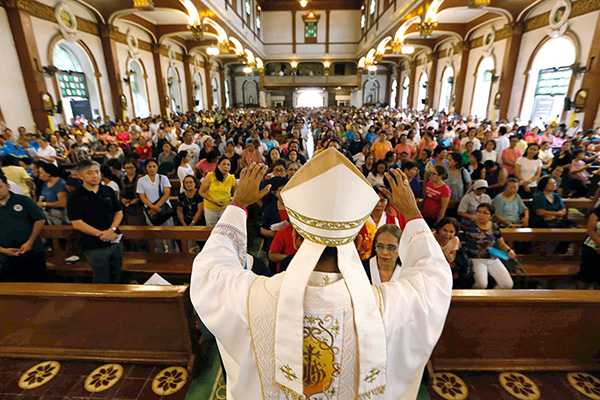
(106, 263)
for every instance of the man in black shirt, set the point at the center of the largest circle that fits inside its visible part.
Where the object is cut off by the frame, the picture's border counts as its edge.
(21, 249)
(95, 211)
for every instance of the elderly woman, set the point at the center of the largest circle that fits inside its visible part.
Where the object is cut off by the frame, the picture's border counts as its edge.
(510, 209)
(469, 203)
(481, 235)
(251, 154)
(385, 263)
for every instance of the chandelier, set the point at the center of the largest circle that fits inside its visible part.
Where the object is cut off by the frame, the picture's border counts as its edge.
(197, 30)
(144, 4)
(479, 3)
(426, 28)
(213, 51)
(303, 3)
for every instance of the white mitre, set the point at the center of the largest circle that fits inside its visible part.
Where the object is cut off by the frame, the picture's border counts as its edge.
(328, 200)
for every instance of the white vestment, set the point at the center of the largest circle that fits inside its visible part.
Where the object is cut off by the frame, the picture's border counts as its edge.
(239, 308)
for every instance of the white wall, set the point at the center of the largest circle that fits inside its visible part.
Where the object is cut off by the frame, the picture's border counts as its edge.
(13, 96)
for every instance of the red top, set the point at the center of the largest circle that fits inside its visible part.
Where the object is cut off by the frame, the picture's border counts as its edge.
(144, 152)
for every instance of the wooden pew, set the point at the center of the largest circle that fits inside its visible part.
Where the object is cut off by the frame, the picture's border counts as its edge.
(145, 262)
(580, 203)
(520, 330)
(108, 323)
(546, 266)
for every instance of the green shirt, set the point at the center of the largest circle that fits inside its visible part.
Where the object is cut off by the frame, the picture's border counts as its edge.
(18, 216)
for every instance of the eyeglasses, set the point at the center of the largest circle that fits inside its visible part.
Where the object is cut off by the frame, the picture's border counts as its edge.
(388, 247)
(483, 212)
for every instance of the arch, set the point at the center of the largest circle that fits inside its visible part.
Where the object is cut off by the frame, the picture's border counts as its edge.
(393, 93)
(480, 100)
(137, 90)
(447, 83)
(422, 91)
(543, 58)
(57, 39)
(173, 83)
(250, 92)
(404, 93)
(199, 102)
(371, 89)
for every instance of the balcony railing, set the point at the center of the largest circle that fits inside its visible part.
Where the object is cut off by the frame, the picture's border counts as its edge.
(315, 80)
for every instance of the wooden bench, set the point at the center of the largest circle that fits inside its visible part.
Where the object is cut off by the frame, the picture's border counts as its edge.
(143, 262)
(546, 266)
(520, 330)
(580, 203)
(108, 323)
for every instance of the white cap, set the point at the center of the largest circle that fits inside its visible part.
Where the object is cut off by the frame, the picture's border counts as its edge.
(328, 200)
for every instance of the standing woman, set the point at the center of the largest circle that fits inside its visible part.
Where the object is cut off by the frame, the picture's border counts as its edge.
(458, 178)
(53, 198)
(528, 169)
(129, 197)
(367, 167)
(436, 196)
(481, 234)
(234, 158)
(385, 264)
(217, 190)
(154, 191)
(189, 204)
(183, 168)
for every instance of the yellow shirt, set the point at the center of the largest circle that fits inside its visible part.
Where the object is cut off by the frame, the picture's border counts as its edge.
(19, 176)
(219, 191)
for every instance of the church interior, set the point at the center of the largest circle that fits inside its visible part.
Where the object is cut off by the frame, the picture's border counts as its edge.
(415, 82)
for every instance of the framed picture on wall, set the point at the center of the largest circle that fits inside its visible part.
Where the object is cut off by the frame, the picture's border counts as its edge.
(47, 102)
(497, 99)
(580, 98)
(124, 102)
(560, 14)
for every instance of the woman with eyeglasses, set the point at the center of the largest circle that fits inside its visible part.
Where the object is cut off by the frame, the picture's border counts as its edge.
(481, 235)
(385, 265)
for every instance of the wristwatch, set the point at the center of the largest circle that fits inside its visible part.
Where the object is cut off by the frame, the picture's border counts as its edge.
(113, 228)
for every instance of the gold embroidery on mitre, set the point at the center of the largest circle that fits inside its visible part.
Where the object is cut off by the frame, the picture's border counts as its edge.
(322, 239)
(326, 225)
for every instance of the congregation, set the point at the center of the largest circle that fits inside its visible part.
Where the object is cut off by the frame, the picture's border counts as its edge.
(471, 179)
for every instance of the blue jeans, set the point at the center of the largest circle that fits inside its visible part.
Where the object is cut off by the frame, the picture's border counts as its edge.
(106, 263)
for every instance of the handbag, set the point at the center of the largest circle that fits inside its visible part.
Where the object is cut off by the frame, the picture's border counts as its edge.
(166, 210)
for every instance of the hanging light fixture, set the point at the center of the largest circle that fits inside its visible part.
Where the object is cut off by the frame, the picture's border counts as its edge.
(146, 5)
(372, 68)
(303, 3)
(407, 49)
(213, 51)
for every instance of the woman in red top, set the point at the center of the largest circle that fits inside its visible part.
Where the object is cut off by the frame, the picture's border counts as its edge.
(436, 196)
(123, 138)
(143, 149)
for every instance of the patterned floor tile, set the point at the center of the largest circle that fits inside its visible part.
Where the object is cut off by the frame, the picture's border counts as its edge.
(130, 388)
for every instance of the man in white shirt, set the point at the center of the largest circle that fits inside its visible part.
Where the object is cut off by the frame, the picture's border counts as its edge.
(46, 152)
(192, 148)
(502, 142)
(574, 130)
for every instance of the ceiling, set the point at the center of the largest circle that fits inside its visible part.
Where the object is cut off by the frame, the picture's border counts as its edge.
(280, 5)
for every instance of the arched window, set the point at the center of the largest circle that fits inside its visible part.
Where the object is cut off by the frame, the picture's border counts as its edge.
(65, 60)
(227, 94)
(394, 93)
(446, 90)
(173, 82)
(198, 103)
(483, 84)
(422, 90)
(138, 90)
(404, 94)
(548, 81)
(76, 81)
(215, 89)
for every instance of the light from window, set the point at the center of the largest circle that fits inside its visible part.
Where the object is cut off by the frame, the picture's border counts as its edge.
(65, 60)
(258, 22)
(373, 6)
(362, 21)
(248, 7)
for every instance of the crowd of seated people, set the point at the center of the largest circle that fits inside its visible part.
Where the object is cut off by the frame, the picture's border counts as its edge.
(487, 168)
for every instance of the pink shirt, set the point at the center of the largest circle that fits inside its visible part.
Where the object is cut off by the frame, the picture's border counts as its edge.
(433, 199)
(409, 148)
(512, 156)
(206, 167)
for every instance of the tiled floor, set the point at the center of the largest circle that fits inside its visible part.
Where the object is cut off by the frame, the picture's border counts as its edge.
(487, 386)
(135, 383)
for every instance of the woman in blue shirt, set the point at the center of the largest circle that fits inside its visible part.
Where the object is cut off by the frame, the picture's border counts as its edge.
(53, 198)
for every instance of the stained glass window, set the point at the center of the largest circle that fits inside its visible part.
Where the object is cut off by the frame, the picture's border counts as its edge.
(310, 30)
(72, 84)
(553, 81)
(362, 21)
(373, 6)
